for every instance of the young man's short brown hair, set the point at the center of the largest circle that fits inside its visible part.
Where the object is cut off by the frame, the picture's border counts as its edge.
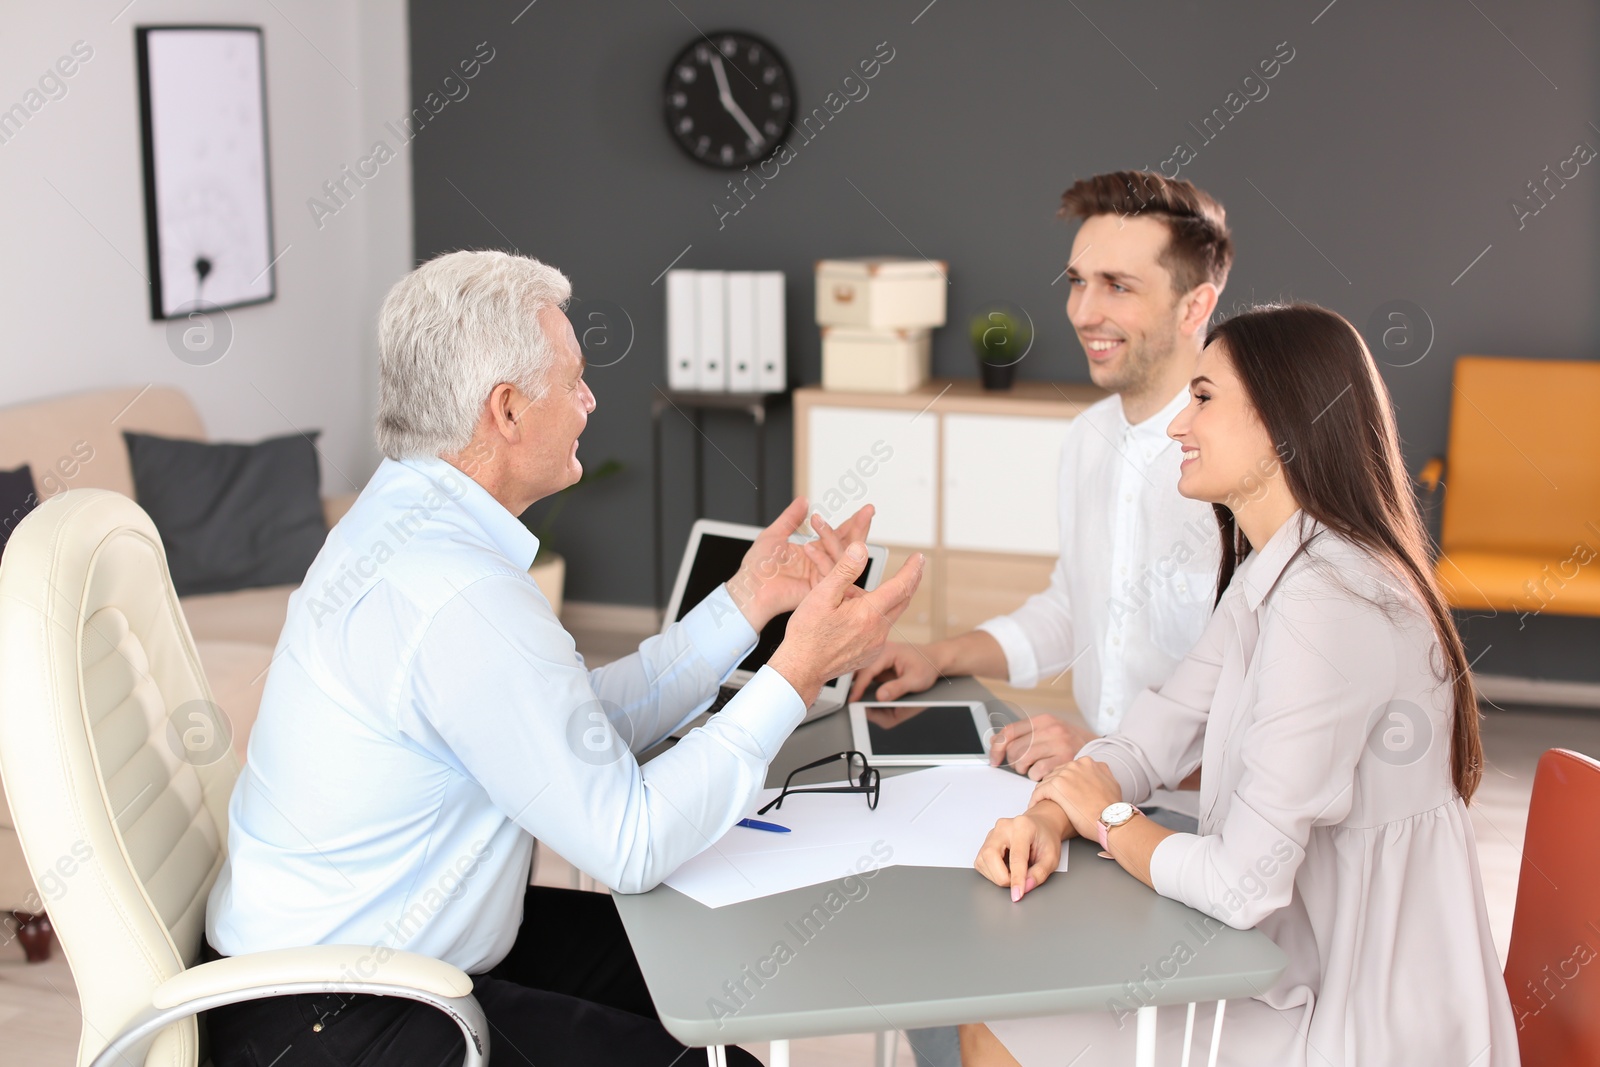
(1201, 246)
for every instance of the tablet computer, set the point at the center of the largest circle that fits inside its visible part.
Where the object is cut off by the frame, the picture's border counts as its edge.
(921, 733)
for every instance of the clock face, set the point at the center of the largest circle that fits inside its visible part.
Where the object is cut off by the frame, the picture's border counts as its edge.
(729, 99)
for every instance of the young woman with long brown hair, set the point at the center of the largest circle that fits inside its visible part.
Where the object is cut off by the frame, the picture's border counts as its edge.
(1331, 711)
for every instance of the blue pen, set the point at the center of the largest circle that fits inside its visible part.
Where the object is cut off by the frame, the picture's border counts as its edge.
(757, 824)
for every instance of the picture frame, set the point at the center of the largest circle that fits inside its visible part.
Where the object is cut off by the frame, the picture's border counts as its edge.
(207, 178)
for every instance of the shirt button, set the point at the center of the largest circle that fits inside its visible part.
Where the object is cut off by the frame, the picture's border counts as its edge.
(1127, 496)
(1116, 640)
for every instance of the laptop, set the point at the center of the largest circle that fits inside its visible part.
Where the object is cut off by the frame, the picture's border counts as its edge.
(712, 556)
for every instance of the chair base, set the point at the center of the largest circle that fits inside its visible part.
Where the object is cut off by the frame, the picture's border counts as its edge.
(34, 931)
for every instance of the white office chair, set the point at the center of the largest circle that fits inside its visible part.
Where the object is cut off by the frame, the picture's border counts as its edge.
(115, 784)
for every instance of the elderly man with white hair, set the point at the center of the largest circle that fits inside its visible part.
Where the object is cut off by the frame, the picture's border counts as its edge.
(426, 717)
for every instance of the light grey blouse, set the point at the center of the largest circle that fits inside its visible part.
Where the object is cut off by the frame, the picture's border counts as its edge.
(1318, 704)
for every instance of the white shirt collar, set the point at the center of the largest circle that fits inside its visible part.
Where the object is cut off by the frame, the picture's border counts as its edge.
(1261, 570)
(1151, 433)
(503, 529)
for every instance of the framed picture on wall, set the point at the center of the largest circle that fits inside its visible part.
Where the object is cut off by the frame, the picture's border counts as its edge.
(208, 212)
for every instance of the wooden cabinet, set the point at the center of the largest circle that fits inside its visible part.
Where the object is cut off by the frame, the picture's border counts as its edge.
(854, 455)
(1000, 482)
(916, 625)
(969, 478)
(981, 585)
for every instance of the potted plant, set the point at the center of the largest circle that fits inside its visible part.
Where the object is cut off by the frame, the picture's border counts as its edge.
(549, 569)
(1001, 340)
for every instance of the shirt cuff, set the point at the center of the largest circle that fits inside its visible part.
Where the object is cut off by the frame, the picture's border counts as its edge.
(1021, 663)
(1167, 863)
(1126, 773)
(719, 632)
(768, 709)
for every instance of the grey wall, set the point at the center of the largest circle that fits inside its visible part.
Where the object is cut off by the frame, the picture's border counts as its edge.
(1381, 163)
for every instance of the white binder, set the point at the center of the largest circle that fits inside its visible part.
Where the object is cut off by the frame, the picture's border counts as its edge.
(741, 332)
(772, 369)
(711, 321)
(682, 334)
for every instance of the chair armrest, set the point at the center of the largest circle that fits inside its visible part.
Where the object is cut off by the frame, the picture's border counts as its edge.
(1432, 473)
(350, 969)
(334, 507)
(340, 965)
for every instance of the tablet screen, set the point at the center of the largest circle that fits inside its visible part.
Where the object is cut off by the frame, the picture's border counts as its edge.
(922, 730)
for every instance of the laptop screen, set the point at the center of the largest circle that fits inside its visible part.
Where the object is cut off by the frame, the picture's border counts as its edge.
(718, 560)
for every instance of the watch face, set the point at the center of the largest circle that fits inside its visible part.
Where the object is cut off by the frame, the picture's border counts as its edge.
(1117, 814)
(729, 99)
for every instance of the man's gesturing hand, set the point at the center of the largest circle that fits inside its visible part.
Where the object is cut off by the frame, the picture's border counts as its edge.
(776, 573)
(838, 628)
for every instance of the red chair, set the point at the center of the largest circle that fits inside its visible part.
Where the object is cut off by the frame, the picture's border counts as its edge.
(1553, 968)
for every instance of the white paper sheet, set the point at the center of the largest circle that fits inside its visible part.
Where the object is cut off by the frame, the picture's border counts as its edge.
(933, 818)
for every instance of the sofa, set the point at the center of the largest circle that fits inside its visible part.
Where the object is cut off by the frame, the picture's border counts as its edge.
(75, 442)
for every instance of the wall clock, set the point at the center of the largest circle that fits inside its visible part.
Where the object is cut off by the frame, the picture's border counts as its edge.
(729, 99)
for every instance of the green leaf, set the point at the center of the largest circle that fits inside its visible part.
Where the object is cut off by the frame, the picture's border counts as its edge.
(999, 337)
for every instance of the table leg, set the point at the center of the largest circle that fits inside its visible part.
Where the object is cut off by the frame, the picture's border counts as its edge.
(760, 416)
(699, 464)
(716, 1056)
(888, 1047)
(656, 506)
(1216, 1035)
(778, 1054)
(1188, 1034)
(1144, 1048)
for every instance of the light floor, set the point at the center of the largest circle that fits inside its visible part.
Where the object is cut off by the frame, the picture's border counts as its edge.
(39, 1010)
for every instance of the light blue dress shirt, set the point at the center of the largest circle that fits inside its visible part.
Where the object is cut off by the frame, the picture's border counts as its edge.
(426, 718)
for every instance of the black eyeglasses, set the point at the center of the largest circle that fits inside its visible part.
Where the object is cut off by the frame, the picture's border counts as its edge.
(857, 771)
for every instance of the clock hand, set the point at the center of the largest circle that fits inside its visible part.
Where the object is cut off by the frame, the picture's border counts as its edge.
(725, 95)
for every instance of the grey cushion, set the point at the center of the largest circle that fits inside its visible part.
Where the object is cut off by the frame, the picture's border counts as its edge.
(17, 498)
(231, 516)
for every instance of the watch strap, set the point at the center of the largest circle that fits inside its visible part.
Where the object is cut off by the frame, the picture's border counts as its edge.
(1102, 829)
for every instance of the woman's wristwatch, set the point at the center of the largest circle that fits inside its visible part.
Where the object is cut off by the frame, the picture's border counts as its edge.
(1115, 815)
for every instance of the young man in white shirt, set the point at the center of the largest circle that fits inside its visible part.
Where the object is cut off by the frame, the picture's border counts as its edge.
(427, 716)
(1136, 577)
(1137, 571)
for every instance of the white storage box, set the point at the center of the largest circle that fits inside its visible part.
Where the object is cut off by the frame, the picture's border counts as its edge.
(874, 361)
(881, 293)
